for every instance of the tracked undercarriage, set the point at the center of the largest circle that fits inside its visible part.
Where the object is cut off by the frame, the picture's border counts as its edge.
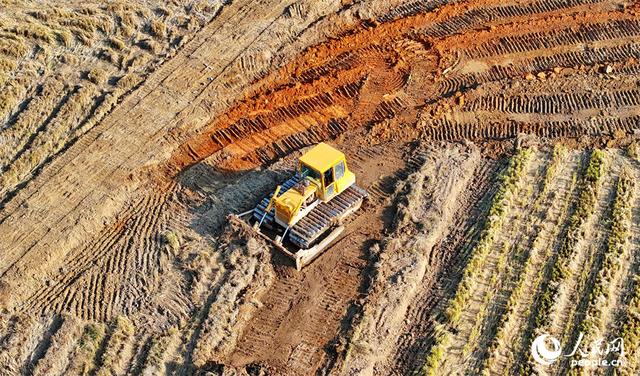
(305, 214)
(315, 232)
(320, 219)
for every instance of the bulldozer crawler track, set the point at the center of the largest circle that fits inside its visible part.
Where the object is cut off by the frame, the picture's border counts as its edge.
(325, 215)
(317, 221)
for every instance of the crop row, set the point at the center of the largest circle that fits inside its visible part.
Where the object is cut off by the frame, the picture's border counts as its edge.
(489, 296)
(497, 214)
(618, 240)
(609, 264)
(631, 318)
(83, 357)
(560, 271)
(158, 346)
(117, 348)
(541, 275)
(517, 291)
(631, 328)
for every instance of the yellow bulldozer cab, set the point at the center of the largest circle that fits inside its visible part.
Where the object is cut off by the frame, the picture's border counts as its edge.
(325, 175)
(322, 157)
(327, 167)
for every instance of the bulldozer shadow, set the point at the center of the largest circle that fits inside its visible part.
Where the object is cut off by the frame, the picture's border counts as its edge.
(211, 194)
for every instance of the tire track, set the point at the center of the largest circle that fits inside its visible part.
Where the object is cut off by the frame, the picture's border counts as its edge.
(610, 29)
(521, 64)
(92, 288)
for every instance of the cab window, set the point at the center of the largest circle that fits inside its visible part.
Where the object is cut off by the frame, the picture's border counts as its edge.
(339, 170)
(328, 177)
(306, 171)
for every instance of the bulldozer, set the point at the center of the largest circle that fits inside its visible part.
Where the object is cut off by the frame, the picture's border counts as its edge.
(298, 216)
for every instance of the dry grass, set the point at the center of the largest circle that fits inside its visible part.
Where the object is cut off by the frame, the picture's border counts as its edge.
(20, 331)
(57, 356)
(10, 96)
(633, 150)
(204, 6)
(172, 240)
(83, 358)
(117, 348)
(149, 45)
(154, 364)
(158, 28)
(128, 81)
(38, 41)
(53, 138)
(12, 46)
(247, 275)
(70, 121)
(7, 65)
(97, 76)
(65, 38)
(138, 60)
(117, 43)
(35, 31)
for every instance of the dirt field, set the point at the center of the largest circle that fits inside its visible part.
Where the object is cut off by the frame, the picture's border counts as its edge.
(497, 141)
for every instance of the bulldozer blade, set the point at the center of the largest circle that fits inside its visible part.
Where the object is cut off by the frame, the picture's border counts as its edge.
(304, 256)
(255, 230)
